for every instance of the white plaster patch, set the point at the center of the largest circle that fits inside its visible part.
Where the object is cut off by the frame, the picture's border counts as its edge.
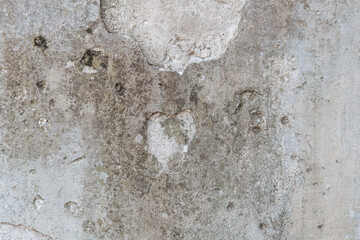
(174, 34)
(138, 138)
(165, 140)
(89, 70)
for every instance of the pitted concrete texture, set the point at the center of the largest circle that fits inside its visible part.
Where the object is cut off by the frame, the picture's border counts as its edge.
(179, 119)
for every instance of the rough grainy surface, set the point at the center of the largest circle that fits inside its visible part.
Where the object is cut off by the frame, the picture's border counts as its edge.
(97, 142)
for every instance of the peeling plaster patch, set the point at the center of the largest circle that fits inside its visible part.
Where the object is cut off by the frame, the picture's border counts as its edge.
(174, 34)
(19, 232)
(168, 135)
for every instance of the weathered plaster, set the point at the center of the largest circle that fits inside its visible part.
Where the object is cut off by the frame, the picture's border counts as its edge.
(97, 142)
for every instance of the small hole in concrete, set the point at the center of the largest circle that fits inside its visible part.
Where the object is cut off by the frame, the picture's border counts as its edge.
(120, 89)
(262, 225)
(95, 59)
(103, 65)
(40, 42)
(285, 120)
(230, 207)
(89, 31)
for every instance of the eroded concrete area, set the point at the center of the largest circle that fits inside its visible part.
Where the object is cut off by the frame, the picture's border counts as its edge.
(259, 143)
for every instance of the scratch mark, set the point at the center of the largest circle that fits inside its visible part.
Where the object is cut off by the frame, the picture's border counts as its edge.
(77, 159)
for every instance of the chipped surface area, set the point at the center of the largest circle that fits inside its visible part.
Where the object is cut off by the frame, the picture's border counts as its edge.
(175, 34)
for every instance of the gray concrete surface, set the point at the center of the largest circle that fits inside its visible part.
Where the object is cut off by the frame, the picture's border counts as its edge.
(213, 119)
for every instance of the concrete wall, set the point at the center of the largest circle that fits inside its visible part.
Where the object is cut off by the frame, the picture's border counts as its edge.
(210, 119)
